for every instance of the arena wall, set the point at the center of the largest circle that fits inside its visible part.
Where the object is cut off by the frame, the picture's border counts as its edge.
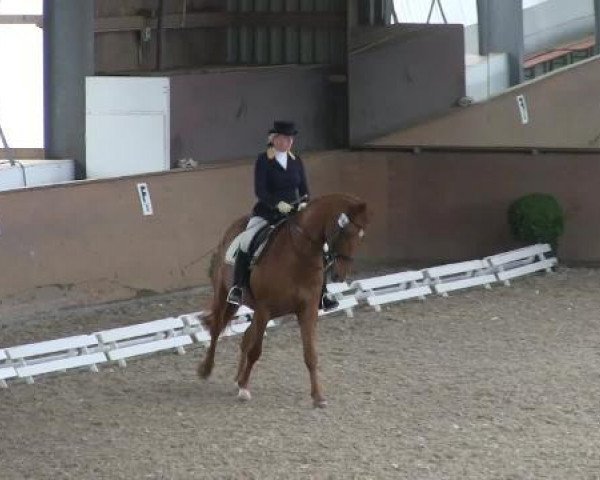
(88, 242)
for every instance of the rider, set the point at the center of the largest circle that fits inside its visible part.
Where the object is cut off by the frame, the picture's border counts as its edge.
(279, 182)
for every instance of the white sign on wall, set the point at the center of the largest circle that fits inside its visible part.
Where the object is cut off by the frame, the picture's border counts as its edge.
(522, 104)
(145, 200)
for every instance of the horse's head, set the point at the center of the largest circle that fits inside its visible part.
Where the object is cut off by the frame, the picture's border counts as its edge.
(345, 237)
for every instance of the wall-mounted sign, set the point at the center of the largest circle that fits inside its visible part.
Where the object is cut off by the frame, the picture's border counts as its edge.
(522, 104)
(145, 201)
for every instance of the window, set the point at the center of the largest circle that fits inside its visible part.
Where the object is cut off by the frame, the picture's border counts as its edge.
(21, 84)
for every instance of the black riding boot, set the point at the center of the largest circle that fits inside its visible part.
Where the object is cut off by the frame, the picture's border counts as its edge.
(240, 272)
(326, 302)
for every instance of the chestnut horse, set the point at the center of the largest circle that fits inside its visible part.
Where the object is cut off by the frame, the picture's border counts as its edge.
(287, 280)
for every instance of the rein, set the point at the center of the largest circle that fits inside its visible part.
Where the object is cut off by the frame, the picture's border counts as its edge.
(327, 245)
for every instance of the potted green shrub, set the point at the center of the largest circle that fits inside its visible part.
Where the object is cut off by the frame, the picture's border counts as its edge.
(536, 218)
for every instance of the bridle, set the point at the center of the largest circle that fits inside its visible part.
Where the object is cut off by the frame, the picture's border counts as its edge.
(328, 243)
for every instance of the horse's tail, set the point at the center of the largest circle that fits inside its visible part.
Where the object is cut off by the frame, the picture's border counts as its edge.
(208, 319)
(210, 322)
(220, 312)
(220, 307)
(213, 266)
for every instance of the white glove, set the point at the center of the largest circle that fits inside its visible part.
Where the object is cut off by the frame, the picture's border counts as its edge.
(302, 206)
(284, 207)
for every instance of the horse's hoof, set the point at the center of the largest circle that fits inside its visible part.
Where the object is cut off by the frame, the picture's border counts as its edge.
(319, 403)
(244, 395)
(204, 370)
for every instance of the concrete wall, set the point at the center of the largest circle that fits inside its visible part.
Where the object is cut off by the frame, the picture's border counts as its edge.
(402, 74)
(449, 206)
(224, 115)
(88, 242)
(563, 113)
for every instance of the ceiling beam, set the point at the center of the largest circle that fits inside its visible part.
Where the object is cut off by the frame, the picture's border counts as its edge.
(221, 20)
(21, 20)
(200, 20)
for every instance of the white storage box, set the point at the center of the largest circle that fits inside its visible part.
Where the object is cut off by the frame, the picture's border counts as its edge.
(33, 173)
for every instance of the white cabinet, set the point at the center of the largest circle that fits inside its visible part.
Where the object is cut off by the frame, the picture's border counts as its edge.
(127, 126)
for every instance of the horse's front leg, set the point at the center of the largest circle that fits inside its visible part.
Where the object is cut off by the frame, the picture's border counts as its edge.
(308, 330)
(251, 349)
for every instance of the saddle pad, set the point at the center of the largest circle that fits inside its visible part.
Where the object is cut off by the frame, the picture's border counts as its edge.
(257, 243)
(233, 249)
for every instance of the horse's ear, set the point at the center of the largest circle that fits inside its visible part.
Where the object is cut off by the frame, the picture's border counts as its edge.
(359, 209)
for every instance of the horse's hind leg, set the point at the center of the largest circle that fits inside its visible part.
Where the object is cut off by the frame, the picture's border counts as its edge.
(243, 349)
(251, 351)
(244, 345)
(221, 313)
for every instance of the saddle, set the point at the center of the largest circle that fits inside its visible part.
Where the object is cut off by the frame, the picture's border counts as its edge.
(258, 244)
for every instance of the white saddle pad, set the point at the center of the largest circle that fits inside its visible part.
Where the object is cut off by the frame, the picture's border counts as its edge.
(244, 238)
(233, 248)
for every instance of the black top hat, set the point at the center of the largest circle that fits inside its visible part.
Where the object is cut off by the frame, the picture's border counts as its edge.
(281, 127)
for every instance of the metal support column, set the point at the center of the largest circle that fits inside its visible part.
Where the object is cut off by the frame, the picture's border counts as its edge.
(597, 17)
(68, 59)
(501, 30)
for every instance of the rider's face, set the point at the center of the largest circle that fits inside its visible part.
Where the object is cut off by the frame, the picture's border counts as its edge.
(283, 143)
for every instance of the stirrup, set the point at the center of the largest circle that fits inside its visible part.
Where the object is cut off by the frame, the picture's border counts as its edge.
(235, 295)
(328, 303)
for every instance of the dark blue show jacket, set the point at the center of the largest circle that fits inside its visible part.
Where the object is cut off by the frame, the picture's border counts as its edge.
(273, 184)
